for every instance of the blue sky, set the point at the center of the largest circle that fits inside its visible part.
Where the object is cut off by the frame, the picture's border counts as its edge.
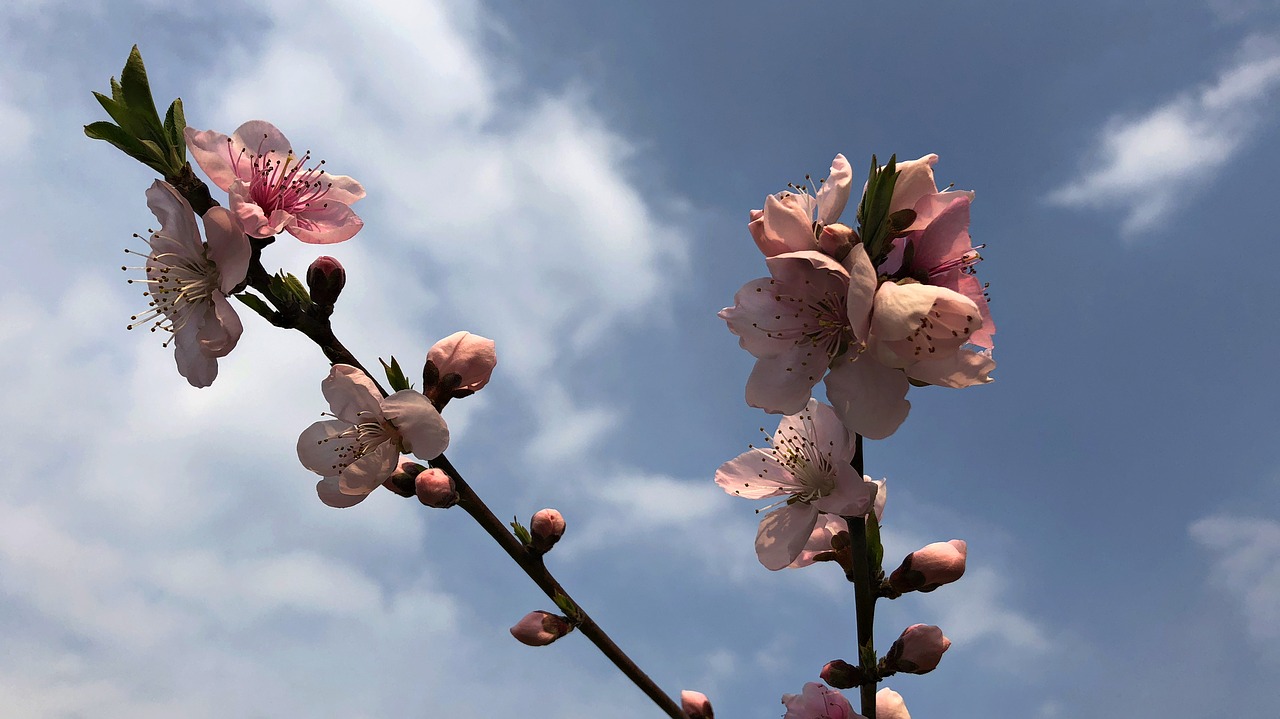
(573, 179)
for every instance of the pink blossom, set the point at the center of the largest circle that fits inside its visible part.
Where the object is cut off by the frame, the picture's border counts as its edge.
(360, 448)
(889, 705)
(188, 282)
(918, 650)
(792, 221)
(807, 465)
(822, 540)
(272, 189)
(928, 568)
(471, 357)
(696, 705)
(818, 702)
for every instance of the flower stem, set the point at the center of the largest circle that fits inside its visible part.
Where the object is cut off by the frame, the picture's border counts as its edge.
(537, 571)
(864, 597)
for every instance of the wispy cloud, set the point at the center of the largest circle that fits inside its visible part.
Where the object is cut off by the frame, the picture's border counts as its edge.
(1247, 550)
(1145, 165)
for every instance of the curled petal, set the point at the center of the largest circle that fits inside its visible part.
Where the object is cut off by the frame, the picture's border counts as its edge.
(330, 222)
(220, 329)
(352, 396)
(177, 220)
(472, 357)
(915, 180)
(834, 193)
(423, 432)
(252, 216)
(228, 247)
(369, 471)
(331, 495)
(783, 534)
(788, 224)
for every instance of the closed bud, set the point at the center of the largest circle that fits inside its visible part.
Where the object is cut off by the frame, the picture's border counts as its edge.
(436, 489)
(918, 650)
(402, 480)
(927, 569)
(540, 628)
(836, 240)
(841, 674)
(696, 705)
(471, 357)
(325, 279)
(546, 528)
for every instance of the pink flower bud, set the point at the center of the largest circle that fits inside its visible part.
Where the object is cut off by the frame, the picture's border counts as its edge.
(696, 705)
(836, 240)
(436, 489)
(471, 357)
(546, 528)
(841, 674)
(325, 279)
(918, 650)
(538, 629)
(931, 567)
(889, 705)
(402, 479)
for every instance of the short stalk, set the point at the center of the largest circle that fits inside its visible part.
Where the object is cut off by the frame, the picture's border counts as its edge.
(864, 596)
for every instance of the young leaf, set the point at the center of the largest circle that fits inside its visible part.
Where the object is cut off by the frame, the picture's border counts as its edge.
(175, 122)
(395, 375)
(123, 141)
(137, 95)
(259, 305)
(875, 550)
(521, 532)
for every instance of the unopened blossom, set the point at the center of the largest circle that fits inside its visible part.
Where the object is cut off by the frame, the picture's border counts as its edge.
(188, 282)
(325, 279)
(470, 356)
(545, 529)
(918, 650)
(807, 466)
(360, 448)
(696, 705)
(818, 702)
(435, 488)
(928, 568)
(793, 221)
(889, 705)
(841, 674)
(538, 629)
(272, 189)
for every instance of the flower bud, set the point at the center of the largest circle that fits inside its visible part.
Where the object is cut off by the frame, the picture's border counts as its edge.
(836, 240)
(889, 705)
(402, 479)
(841, 674)
(918, 650)
(538, 629)
(546, 528)
(471, 357)
(436, 489)
(325, 279)
(931, 567)
(696, 705)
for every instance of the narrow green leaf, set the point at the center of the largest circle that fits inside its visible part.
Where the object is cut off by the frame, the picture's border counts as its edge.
(867, 655)
(117, 111)
(395, 375)
(127, 143)
(137, 94)
(521, 532)
(875, 550)
(297, 289)
(117, 92)
(175, 122)
(567, 606)
(259, 305)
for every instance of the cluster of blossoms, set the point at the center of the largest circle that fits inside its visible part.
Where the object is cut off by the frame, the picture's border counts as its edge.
(869, 312)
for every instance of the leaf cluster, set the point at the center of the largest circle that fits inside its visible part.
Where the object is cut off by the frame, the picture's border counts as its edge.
(138, 131)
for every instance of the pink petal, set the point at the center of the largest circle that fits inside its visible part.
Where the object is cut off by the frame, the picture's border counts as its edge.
(177, 220)
(869, 398)
(252, 217)
(368, 472)
(261, 138)
(899, 309)
(352, 396)
(783, 534)
(946, 237)
(827, 526)
(220, 328)
(472, 357)
(788, 224)
(330, 222)
(889, 705)
(212, 153)
(783, 385)
(343, 189)
(853, 497)
(197, 367)
(331, 495)
(820, 424)
(423, 432)
(862, 292)
(915, 180)
(964, 368)
(754, 474)
(755, 300)
(317, 448)
(228, 247)
(834, 193)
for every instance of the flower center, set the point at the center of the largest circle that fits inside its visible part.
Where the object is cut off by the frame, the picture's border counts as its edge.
(811, 467)
(358, 440)
(807, 316)
(281, 182)
(179, 288)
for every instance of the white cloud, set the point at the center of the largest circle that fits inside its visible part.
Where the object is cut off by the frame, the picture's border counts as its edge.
(1146, 165)
(1247, 553)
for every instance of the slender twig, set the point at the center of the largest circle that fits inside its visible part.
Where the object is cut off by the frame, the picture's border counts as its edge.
(864, 596)
(537, 571)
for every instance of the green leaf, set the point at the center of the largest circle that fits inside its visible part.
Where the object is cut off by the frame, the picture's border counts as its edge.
(259, 305)
(117, 111)
(395, 375)
(137, 95)
(521, 532)
(875, 550)
(125, 142)
(567, 606)
(873, 212)
(117, 92)
(867, 657)
(175, 122)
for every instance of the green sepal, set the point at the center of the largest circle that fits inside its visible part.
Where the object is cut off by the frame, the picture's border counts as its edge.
(875, 229)
(289, 289)
(395, 375)
(259, 305)
(175, 122)
(567, 606)
(521, 532)
(867, 657)
(875, 550)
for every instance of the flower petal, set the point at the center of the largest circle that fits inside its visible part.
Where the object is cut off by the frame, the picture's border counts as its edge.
(220, 328)
(342, 189)
(834, 193)
(788, 224)
(915, 180)
(330, 222)
(331, 495)
(757, 299)
(318, 450)
(228, 246)
(852, 497)
(783, 534)
(252, 217)
(177, 220)
(869, 398)
(368, 472)
(423, 432)
(862, 292)
(820, 424)
(754, 474)
(352, 396)
(783, 384)
(214, 153)
(261, 138)
(965, 368)
(472, 357)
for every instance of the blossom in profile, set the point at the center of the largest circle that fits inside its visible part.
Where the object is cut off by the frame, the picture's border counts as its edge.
(360, 448)
(932, 566)
(188, 282)
(696, 705)
(807, 466)
(539, 628)
(793, 221)
(470, 356)
(816, 701)
(918, 650)
(274, 190)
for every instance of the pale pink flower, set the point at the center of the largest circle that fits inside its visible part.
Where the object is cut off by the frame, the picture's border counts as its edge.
(889, 705)
(272, 189)
(918, 650)
(792, 221)
(359, 449)
(188, 282)
(822, 538)
(696, 705)
(807, 465)
(471, 357)
(818, 702)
